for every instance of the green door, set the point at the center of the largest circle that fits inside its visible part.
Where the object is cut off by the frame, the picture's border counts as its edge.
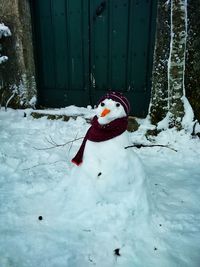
(86, 47)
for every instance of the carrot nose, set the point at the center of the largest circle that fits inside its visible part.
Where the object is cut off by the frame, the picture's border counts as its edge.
(105, 112)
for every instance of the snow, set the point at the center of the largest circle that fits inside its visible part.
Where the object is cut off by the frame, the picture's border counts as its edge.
(68, 111)
(187, 121)
(3, 59)
(33, 101)
(164, 123)
(4, 31)
(197, 128)
(79, 228)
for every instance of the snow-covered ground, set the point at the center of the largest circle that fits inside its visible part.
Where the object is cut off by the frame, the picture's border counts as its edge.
(34, 181)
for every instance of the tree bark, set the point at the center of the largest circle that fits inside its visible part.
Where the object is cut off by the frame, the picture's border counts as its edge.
(18, 73)
(159, 96)
(192, 71)
(176, 62)
(168, 83)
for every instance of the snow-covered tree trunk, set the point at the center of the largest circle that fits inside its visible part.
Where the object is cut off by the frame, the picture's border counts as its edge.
(4, 32)
(159, 99)
(18, 74)
(176, 62)
(192, 71)
(168, 83)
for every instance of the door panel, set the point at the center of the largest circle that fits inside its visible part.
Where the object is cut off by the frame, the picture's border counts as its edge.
(121, 50)
(61, 29)
(87, 47)
(99, 26)
(119, 33)
(140, 44)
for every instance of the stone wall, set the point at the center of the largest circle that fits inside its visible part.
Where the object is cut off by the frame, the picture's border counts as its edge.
(18, 73)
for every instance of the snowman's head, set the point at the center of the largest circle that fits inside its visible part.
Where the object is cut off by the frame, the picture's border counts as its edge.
(112, 106)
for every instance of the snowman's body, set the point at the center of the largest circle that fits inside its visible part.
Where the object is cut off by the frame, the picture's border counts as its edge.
(115, 173)
(108, 194)
(103, 157)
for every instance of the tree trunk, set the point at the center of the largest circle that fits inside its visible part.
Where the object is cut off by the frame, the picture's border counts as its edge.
(192, 71)
(18, 73)
(168, 85)
(176, 62)
(159, 96)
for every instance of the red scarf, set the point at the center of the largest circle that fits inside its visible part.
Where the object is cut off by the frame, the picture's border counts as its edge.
(99, 133)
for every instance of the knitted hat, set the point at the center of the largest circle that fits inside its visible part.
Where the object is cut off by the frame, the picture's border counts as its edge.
(118, 97)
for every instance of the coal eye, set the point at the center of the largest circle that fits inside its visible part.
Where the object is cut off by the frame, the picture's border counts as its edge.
(102, 104)
(118, 105)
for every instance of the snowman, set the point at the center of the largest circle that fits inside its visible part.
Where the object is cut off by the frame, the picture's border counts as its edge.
(115, 173)
(106, 195)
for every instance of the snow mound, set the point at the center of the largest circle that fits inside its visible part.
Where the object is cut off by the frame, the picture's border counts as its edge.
(4, 31)
(84, 221)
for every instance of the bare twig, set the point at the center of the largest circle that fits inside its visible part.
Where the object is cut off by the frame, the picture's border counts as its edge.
(142, 145)
(53, 142)
(42, 164)
(72, 144)
(54, 145)
(49, 141)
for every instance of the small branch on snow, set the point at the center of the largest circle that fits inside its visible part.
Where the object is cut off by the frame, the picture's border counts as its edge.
(142, 145)
(51, 141)
(42, 164)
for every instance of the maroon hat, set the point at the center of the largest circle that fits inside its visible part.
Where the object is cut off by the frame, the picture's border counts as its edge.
(118, 97)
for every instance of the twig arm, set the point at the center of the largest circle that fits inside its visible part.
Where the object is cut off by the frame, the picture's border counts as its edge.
(54, 145)
(142, 145)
